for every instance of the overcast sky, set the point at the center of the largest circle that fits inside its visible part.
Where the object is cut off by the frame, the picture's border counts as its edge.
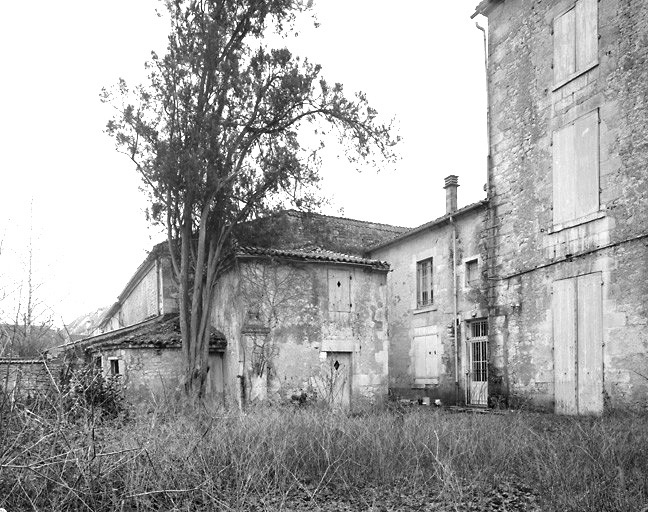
(420, 61)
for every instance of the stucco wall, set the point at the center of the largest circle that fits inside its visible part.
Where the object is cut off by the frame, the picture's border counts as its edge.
(405, 318)
(298, 327)
(529, 253)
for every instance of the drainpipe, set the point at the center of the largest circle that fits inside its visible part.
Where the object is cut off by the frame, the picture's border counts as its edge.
(451, 184)
(454, 316)
(488, 117)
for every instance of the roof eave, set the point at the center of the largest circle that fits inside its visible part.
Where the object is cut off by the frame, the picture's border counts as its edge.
(381, 266)
(430, 225)
(484, 7)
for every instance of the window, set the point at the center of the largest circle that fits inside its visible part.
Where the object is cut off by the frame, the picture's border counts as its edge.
(97, 362)
(575, 36)
(478, 329)
(424, 292)
(576, 169)
(114, 367)
(472, 272)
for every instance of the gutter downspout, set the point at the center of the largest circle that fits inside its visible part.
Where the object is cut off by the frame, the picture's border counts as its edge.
(455, 307)
(488, 117)
(490, 215)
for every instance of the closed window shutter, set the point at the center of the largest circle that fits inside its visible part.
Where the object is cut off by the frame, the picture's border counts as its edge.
(576, 169)
(419, 358)
(586, 164)
(564, 45)
(586, 33)
(564, 176)
(339, 283)
(426, 357)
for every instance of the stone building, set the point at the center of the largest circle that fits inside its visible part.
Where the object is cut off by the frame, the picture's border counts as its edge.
(437, 306)
(567, 242)
(301, 313)
(535, 296)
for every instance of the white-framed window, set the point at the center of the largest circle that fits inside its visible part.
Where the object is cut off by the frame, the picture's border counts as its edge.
(471, 272)
(424, 287)
(575, 40)
(576, 169)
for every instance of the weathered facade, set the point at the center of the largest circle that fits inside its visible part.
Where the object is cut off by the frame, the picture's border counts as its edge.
(295, 317)
(437, 306)
(306, 323)
(535, 296)
(568, 83)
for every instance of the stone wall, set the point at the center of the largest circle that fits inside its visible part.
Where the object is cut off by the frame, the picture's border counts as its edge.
(406, 318)
(143, 372)
(284, 324)
(27, 377)
(530, 253)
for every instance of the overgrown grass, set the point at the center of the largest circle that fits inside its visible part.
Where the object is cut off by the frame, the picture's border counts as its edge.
(174, 459)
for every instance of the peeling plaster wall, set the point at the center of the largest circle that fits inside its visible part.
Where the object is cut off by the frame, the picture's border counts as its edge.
(526, 108)
(304, 330)
(404, 317)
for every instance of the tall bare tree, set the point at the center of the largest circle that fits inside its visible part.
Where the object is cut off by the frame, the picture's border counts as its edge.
(26, 322)
(215, 136)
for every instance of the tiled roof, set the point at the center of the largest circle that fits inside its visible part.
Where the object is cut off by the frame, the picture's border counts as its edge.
(157, 332)
(431, 224)
(313, 254)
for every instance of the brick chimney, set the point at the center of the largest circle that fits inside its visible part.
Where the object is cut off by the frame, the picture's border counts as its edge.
(451, 184)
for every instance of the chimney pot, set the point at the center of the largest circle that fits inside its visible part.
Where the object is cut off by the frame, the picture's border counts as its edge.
(451, 184)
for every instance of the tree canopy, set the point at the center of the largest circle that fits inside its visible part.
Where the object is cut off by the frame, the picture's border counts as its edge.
(216, 135)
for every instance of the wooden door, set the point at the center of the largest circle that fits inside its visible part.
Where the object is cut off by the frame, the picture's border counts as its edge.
(339, 368)
(578, 345)
(564, 329)
(590, 345)
(215, 388)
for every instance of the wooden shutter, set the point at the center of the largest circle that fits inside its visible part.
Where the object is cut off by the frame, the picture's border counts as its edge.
(426, 357)
(586, 33)
(564, 176)
(576, 169)
(564, 40)
(564, 334)
(420, 371)
(339, 285)
(586, 164)
(590, 344)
